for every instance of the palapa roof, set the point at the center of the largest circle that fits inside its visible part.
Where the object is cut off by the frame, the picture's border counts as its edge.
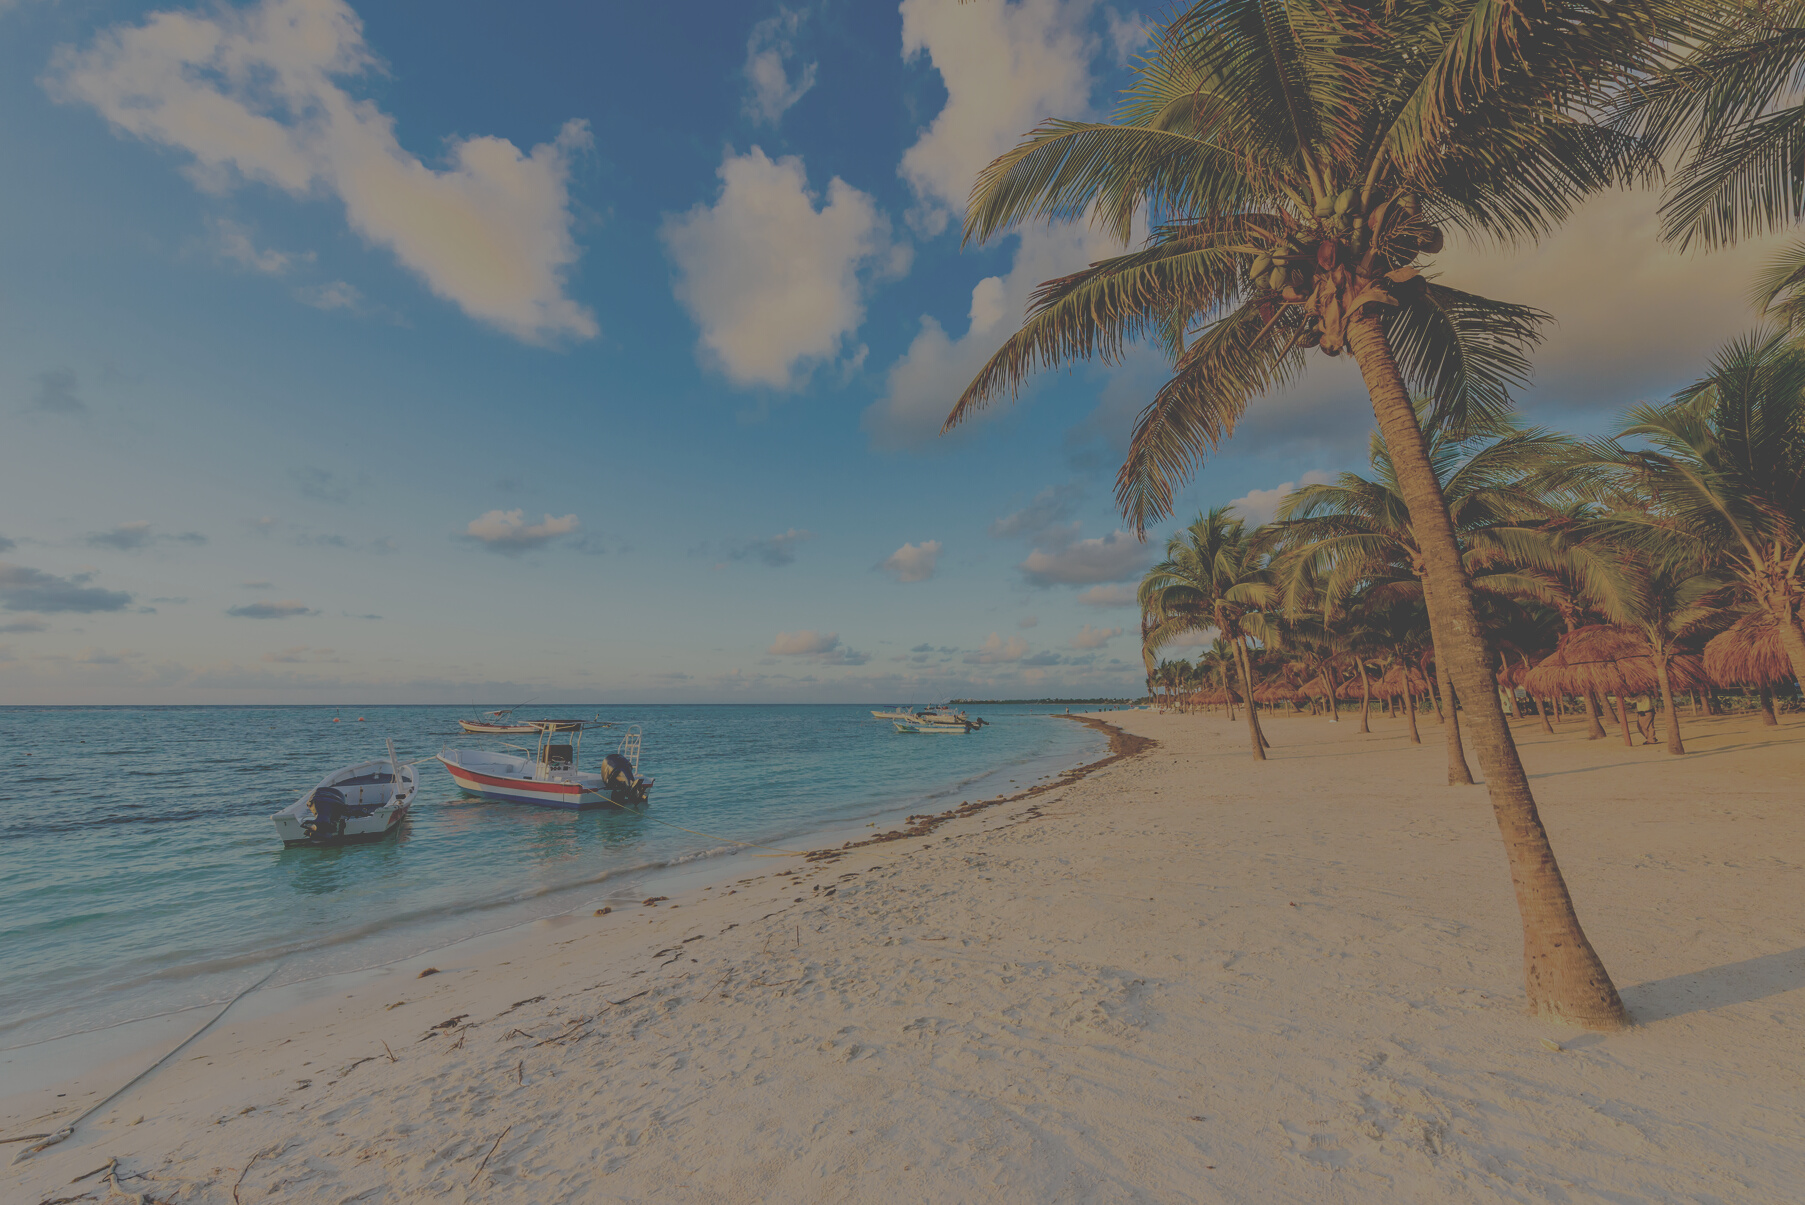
(1748, 654)
(1609, 660)
(1393, 682)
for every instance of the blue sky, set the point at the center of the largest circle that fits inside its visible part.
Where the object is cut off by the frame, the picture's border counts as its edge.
(458, 352)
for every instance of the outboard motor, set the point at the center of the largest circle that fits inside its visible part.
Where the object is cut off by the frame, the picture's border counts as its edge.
(329, 812)
(619, 780)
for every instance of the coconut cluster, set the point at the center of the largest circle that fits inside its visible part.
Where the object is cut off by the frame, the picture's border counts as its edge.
(1388, 237)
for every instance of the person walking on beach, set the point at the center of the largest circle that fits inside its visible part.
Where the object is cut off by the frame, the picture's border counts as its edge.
(1645, 718)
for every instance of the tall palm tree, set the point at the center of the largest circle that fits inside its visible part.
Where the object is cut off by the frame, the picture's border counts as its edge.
(1723, 470)
(1295, 159)
(1212, 577)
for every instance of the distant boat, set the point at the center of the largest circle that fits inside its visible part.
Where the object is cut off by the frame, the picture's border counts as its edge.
(551, 777)
(365, 802)
(502, 721)
(931, 719)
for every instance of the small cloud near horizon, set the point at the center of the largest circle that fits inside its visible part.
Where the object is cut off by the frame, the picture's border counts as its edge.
(25, 589)
(824, 647)
(284, 609)
(1108, 596)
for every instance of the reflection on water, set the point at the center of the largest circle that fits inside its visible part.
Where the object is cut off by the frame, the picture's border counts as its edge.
(141, 870)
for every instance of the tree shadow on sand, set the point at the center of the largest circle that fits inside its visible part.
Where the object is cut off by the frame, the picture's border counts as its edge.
(1715, 987)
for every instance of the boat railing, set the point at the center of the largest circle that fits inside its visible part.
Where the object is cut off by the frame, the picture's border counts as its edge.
(630, 745)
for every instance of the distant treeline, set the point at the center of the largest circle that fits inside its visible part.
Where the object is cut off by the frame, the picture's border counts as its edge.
(1035, 702)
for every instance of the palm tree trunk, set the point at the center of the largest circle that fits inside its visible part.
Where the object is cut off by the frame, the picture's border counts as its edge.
(1543, 707)
(1366, 694)
(1594, 710)
(1563, 976)
(1407, 700)
(1459, 773)
(1253, 712)
(1623, 719)
(1673, 713)
(1768, 718)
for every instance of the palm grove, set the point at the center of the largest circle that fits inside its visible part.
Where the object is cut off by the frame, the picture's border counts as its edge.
(1295, 163)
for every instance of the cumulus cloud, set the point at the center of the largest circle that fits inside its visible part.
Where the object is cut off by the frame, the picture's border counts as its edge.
(286, 608)
(771, 89)
(259, 95)
(1094, 638)
(912, 562)
(773, 281)
(1108, 596)
(824, 647)
(508, 532)
(776, 551)
(1005, 67)
(1259, 506)
(26, 589)
(1129, 35)
(922, 385)
(137, 534)
(233, 242)
(56, 393)
(995, 651)
(1115, 557)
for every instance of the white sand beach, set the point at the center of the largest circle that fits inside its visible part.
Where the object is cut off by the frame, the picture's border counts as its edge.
(1186, 977)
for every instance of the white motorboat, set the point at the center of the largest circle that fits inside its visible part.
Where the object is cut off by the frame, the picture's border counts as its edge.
(551, 777)
(931, 719)
(365, 802)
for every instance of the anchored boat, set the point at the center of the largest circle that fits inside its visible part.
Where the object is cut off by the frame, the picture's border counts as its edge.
(931, 719)
(365, 802)
(550, 777)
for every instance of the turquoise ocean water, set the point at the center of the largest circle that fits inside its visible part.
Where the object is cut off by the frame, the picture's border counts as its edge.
(140, 874)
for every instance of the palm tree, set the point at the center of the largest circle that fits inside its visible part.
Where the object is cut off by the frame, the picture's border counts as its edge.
(1360, 527)
(1723, 471)
(1212, 576)
(1731, 112)
(1294, 161)
(1672, 604)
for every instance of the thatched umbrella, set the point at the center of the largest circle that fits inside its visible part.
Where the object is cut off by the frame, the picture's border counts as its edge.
(1611, 661)
(1750, 654)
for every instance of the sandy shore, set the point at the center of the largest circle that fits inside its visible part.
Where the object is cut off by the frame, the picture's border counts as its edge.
(1186, 977)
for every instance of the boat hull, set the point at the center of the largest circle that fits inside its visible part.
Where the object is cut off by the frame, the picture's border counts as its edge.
(474, 726)
(956, 729)
(568, 796)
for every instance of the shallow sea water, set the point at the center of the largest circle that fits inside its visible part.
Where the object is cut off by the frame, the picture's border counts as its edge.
(140, 873)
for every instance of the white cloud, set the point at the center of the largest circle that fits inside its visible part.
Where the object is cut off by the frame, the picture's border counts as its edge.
(1129, 35)
(233, 242)
(1094, 638)
(824, 647)
(508, 532)
(1115, 557)
(774, 282)
(912, 562)
(252, 95)
(1259, 506)
(922, 385)
(1108, 596)
(1005, 68)
(772, 91)
(995, 650)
